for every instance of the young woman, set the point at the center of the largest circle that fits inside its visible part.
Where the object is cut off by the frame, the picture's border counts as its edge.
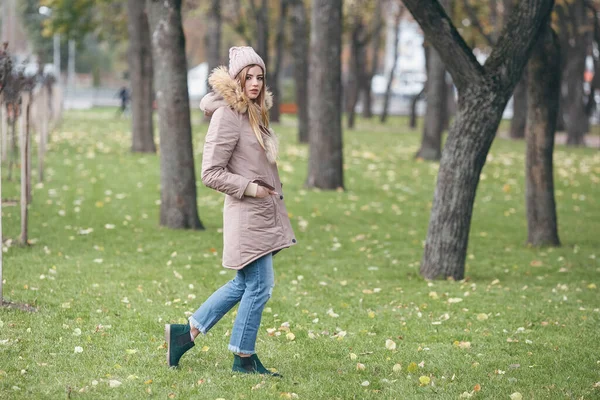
(239, 160)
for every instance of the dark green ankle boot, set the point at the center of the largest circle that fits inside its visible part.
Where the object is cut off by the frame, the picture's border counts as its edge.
(251, 365)
(178, 341)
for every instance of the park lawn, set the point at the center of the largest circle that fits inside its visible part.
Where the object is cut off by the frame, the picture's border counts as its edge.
(350, 316)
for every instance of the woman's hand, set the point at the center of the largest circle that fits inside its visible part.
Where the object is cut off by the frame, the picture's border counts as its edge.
(263, 192)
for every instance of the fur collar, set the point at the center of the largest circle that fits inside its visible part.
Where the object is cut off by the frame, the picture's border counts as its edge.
(227, 92)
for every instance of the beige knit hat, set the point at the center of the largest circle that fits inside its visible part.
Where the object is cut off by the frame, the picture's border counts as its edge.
(241, 57)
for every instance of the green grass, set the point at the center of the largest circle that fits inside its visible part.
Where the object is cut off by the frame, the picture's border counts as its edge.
(528, 320)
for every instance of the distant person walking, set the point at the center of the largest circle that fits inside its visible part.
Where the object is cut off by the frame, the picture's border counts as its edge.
(125, 96)
(239, 159)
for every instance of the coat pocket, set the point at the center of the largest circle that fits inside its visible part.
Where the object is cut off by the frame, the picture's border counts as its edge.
(260, 213)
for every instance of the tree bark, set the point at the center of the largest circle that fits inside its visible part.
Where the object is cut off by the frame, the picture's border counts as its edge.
(367, 95)
(519, 118)
(275, 114)
(388, 89)
(178, 179)
(544, 92)
(483, 94)
(325, 169)
(140, 68)
(300, 56)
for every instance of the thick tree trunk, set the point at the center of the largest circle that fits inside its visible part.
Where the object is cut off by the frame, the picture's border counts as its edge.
(178, 178)
(140, 68)
(367, 95)
(300, 56)
(519, 118)
(275, 114)
(4, 127)
(544, 93)
(483, 94)
(325, 169)
(431, 141)
(388, 89)
(358, 59)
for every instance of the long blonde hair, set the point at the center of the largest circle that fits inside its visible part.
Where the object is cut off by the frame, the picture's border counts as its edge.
(258, 114)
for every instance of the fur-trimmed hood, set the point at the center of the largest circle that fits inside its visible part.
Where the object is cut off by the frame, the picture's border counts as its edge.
(227, 92)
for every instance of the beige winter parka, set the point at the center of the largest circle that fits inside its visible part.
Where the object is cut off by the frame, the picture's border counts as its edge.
(232, 159)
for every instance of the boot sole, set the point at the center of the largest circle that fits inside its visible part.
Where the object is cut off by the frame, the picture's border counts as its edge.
(168, 340)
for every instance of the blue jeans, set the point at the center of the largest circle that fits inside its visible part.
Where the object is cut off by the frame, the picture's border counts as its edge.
(252, 287)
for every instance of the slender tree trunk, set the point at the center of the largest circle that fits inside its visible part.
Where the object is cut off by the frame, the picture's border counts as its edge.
(178, 178)
(213, 37)
(4, 127)
(325, 150)
(214, 27)
(413, 107)
(388, 89)
(44, 115)
(575, 118)
(431, 141)
(437, 104)
(376, 26)
(140, 68)
(300, 56)
(25, 176)
(357, 68)
(544, 92)
(275, 114)
(519, 118)
(13, 143)
(483, 94)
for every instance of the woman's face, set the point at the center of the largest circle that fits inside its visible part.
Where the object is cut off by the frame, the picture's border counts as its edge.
(254, 82)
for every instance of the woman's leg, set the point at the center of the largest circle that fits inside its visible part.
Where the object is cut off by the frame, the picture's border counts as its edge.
(219, 303)
(259, 285)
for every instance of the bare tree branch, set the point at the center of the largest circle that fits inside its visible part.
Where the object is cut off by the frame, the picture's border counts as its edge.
(525, 22)
(439, 30)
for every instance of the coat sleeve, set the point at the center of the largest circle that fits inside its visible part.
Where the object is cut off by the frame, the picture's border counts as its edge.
(221, 140)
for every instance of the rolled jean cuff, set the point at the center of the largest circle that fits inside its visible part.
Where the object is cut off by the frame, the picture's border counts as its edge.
(197, 325)
(237, 350)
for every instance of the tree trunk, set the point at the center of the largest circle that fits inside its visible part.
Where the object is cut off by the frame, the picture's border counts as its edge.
(483, 94)
(376, 26)
(44, 114)
(519, 118)
(275, 79)
(544, 92)
(300, 56)
(573, 20)
(25, 181)
(4, 127)
(325, 169)
(357, 68)
(388, 89)
(431, 142)
(140, 69)
(178, 178)
(413, 107)
(213, 38)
